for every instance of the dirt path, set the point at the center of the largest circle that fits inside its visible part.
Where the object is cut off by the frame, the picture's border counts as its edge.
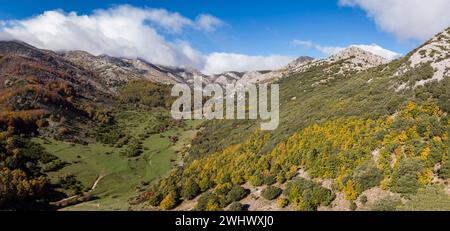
(78, 198)
(100, 177)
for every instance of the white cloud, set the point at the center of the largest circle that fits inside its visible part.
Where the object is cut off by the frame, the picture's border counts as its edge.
(330, 50)
(208, 22)
(302, 43)
(120, 31)
(127, 31)
(173, 22)
(406, 19)
(222, 62)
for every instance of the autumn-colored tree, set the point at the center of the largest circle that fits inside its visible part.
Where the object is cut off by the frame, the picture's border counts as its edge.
(168, 202)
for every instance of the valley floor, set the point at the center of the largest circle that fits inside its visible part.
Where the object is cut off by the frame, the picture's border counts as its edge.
(113, 178)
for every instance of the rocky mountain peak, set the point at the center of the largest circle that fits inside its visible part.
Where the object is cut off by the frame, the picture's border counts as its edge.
(20, 48)
(357, 59)
(350, 60)
(299, 61)
(15, 46)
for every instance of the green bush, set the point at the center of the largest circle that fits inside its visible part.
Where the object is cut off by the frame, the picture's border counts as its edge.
(256, 181)
(367, 176)
(237, 193)
(134, 148)
(108, 134)
(209, 202)
(353, 206)
(363, 199)
(70, 182)
(270, 180)
(281, 178)
(54, 165)
(405, 179)
(154, 196)
(236, 206)
(271, 193)
(203, 201)
(444, 172)
(190, 189)
(307, 195)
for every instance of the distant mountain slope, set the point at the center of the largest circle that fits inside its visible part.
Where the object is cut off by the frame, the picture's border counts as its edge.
(348, 61)
(353, 82)
(44, 86)
(57, 67)
(348, 131)
(119, 71)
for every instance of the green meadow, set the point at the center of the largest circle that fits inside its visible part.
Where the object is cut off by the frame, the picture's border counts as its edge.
(120, 177)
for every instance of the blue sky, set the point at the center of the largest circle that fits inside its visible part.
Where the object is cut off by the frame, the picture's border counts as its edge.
(253, 28)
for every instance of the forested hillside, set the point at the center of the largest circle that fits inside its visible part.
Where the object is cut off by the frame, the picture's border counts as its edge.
(400, 153)
(384, 128)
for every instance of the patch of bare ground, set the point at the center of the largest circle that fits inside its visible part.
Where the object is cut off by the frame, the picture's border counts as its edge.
(448, 187)
(187, 205)
(446, 183)
(439, 181)
(339, 204)
(143, 207)
(326, 183)
(373, 195)
(303, 174)
(257, 203)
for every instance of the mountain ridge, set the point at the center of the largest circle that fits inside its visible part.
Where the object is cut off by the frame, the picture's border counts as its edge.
(117, 71)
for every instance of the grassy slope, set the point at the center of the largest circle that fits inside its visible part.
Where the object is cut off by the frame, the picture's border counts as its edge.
(370, 94)
(121, 176)
(303, 104)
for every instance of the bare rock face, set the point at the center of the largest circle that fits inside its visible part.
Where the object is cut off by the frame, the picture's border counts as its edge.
(114, 71)
(119, 71)
(435, 52)
(268, 76)
(300, 61)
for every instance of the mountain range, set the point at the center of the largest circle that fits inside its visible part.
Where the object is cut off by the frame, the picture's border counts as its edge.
(353, 125)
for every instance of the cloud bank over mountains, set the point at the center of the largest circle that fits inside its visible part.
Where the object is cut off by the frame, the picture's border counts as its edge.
(131, 32)
(156, 35)
(237, 62)
(406, 19)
